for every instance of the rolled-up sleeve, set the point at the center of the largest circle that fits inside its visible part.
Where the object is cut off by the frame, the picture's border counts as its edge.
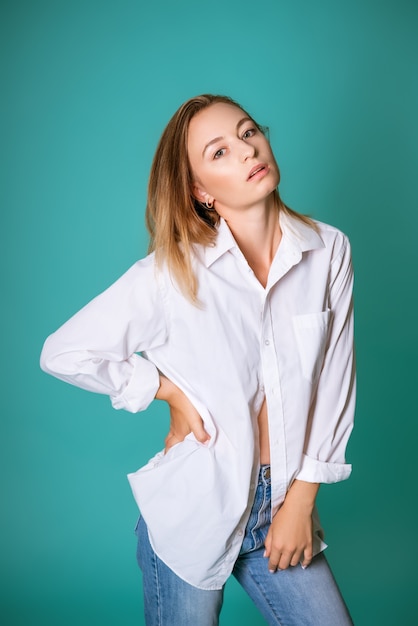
(332, 411)
(99, 348)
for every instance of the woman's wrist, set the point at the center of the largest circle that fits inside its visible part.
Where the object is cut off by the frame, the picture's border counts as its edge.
(168, 391)
(303, 493)
(164, 390)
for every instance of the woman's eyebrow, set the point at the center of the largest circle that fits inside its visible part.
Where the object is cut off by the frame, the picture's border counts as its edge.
(216, 139)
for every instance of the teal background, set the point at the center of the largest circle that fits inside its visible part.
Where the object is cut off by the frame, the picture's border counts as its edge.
(87, 87)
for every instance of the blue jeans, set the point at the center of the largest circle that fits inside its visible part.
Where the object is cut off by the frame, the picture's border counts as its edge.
(292, 597)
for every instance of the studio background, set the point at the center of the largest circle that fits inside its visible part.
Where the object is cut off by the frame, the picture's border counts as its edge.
(87, 88)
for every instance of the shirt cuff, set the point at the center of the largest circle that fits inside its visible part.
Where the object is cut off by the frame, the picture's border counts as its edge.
(314, 471)
(141, 389)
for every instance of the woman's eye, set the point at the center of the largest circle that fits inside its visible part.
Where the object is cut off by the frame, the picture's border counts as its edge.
(219, 153)
(249, 133)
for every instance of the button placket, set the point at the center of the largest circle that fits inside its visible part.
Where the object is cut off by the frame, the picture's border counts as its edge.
(271, 381)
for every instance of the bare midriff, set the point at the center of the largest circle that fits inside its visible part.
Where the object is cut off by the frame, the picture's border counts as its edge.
(263, 431)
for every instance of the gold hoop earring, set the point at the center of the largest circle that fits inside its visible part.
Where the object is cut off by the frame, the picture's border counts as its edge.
(209, 204)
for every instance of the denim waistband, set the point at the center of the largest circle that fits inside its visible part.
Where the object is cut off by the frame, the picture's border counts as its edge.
(264, 476)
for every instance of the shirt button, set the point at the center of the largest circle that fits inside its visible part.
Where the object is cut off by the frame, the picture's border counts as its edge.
(267, 342)
(240, 532)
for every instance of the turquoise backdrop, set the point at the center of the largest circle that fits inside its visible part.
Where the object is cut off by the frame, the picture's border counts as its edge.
(87, 87)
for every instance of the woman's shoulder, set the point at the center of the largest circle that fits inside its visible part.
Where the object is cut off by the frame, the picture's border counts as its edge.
(336, 244)
(138, 274)
(332, 236)
(329, 229)
(146, 262)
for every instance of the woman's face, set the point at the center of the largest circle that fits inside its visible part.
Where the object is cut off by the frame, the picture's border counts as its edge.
(231, 160)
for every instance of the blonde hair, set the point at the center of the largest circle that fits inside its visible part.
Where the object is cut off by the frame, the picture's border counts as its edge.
(175, 219)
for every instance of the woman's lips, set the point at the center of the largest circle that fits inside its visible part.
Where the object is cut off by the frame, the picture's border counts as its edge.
(258, 171)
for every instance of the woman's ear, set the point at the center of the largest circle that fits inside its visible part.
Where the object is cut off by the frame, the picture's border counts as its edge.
(199, 193)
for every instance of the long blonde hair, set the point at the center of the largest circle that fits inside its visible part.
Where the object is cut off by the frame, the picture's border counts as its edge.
(175, 219)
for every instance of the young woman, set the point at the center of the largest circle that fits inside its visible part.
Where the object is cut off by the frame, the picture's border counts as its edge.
(241, 320)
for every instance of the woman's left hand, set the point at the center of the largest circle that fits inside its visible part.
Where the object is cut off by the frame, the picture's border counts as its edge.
(290, 537)
(184, 418)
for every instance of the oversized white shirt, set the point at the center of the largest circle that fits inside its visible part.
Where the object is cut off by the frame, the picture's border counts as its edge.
(291, 342)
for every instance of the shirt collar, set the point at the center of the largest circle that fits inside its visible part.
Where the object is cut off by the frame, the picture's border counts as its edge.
(224, 242)
(297, 234)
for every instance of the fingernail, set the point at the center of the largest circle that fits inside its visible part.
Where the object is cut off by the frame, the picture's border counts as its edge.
(304, 566)
(271, 571)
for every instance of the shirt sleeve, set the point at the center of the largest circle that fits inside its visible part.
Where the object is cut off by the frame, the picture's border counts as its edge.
(332, 411)
(97, 349)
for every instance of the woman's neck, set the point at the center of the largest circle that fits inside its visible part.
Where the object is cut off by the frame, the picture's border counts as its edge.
(258, 234)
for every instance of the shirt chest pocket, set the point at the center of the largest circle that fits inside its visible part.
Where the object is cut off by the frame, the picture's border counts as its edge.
(311, 333)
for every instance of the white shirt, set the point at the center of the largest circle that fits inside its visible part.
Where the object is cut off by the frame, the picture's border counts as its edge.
(291, 342)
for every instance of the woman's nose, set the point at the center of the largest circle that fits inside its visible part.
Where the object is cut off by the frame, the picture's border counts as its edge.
(246, 150)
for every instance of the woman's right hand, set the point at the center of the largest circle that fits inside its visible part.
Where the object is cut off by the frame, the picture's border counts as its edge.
(184, 419)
